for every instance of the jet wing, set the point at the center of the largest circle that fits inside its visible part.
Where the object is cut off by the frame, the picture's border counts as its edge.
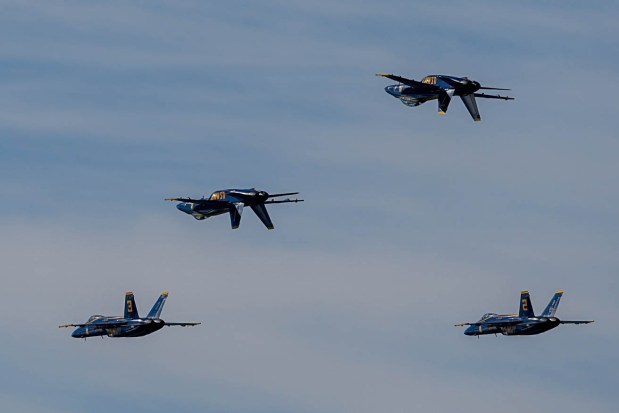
(182, 324)
(408, 82)
(483, 95)
(577, 322)
(208, 203)
(98, 325)
(498, 323)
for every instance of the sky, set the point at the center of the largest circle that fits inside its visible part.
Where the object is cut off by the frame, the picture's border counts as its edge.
(412, 221)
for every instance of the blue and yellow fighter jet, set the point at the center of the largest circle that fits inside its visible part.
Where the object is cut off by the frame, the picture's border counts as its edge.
(525, 323)
(441, 87)
(128, 325)
(232, 201)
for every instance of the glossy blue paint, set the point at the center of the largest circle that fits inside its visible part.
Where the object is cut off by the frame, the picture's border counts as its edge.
(129, 325)
(233, 201)
(525, 323)
(442, 88)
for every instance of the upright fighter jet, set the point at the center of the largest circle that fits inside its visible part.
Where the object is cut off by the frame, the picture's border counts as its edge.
(128, 325)
(233, 201)
(441, 87)
(525, 323)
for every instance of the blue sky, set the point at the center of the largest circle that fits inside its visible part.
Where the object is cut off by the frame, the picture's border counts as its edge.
(412, 221)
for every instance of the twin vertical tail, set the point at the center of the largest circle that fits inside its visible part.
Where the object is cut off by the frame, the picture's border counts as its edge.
(155, 312)
(236, 211)
(526, 309)
(551, 308)
(131, 310)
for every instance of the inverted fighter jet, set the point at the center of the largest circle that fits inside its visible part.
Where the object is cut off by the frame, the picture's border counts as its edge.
(441, 87)
(525, 323)
(233, 201)
(128, 325)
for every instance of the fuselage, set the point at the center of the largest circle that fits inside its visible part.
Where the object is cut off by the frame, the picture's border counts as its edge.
(128, 327)
(225, 197)
(427, 89)
(198, 211)
(513, 325)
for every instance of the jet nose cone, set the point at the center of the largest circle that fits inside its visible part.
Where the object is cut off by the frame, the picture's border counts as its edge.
(77, 333)
(393, 90)
(471, 331)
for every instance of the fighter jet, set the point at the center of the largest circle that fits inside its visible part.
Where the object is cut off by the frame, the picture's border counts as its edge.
(525, 323)
(232, 201)
(128, 325)
(443, 88)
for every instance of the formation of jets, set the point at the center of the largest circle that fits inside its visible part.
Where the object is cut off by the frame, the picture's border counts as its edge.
(232, 201)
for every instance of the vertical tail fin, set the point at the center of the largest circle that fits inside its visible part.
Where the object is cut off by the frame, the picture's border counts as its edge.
(261, 212)
(235, 214)
(444, 98)
(551, 308)
(131, 310)
(155, 312)
(471, 106)
(526, 309)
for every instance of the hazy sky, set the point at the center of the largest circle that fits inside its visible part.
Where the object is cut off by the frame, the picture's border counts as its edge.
(412, 221)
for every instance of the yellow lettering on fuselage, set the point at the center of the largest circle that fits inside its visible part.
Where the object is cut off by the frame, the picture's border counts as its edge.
(429, 80)
(218, 196)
